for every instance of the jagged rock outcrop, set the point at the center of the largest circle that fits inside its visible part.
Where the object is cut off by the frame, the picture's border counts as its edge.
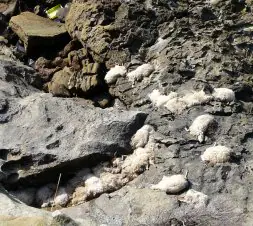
(193, 48)
(55, 133)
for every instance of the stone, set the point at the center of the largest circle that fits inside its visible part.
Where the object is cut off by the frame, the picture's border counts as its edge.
(7, 7)
(193, 46)
(59, 85)
(37, 32)
(102, 132)
(14, 212)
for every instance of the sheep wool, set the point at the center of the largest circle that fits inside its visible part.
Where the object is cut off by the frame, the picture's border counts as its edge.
(61, 198)
(159, 100)
(216, 154)
(115, 73)
(176, 105)
(223, 94)
(138, 161)
(140, 72)
(200, 126)
(196, 98)
(93, 186)
(195, 198)
(172, 184)
(140, 139)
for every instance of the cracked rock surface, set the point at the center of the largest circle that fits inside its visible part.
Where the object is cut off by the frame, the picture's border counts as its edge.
(194, 48)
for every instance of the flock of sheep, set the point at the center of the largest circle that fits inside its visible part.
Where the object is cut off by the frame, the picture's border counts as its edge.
(108, 177)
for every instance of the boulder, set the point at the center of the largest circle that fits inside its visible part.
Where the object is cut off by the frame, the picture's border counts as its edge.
(13, 212)
(37, 32)
(42, 135)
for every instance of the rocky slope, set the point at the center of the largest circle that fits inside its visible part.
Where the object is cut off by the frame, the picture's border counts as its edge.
(182, 67)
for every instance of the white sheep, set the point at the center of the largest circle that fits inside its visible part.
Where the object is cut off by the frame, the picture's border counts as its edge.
(196, 198)
(112, 182)
(196, 98)
(140, 72)
(176, 105)
(137, 162)
(115, 73)
(200, 126)
(93, 186)
(159, 100)
(172, 184)
(216, 154)
(141, 137)
(223, 94)
(61, 198)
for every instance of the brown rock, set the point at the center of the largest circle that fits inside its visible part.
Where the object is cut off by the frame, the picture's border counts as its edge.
(7, 7)
(60, 83)
(37, 32)
(72, 45)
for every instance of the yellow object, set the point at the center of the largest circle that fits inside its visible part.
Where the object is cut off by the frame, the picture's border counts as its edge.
(52, 13)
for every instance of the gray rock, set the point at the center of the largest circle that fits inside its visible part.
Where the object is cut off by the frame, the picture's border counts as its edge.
(14, 212)
(42, 133)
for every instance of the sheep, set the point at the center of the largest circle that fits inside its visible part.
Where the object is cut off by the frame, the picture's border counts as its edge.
(107, 179)
(93, 186)
(158, 99)
(112, 182)
(172, 184)
(216, 154)
(197, 199)
(223, 94)
(115, 73)
(91, 189)
(140, 72)
(136, 163)
(176, 105)
(140, 138)
(61, 198)
(196, 98)
(200, 126)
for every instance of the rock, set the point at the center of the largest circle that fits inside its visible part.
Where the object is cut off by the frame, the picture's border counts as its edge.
(155, 211)
(103, 132)
(37, 32)
(23, 76)
(7, 7)
(113, 17)
(195, 47)
(99, 136)
(68, 82)
(59, 85)
(14, 212)
(72, 45)
(3, 22)
(26, 196)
